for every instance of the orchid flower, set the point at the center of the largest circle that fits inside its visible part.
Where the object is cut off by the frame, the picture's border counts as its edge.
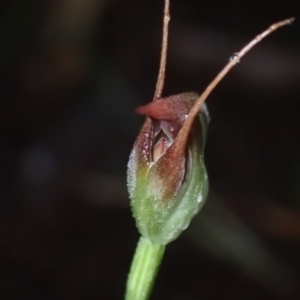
(167, 179)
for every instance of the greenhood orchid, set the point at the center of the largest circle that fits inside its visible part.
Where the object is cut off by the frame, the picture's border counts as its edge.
(167, 179)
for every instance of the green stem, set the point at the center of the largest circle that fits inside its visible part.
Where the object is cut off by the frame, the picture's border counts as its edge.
(144, 267)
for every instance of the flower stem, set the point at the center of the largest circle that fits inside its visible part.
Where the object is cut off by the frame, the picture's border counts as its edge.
(144, 267)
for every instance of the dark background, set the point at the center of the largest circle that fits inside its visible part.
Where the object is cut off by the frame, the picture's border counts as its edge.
(71, 74)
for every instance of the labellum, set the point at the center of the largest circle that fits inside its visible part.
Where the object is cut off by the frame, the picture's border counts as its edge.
(167, 178)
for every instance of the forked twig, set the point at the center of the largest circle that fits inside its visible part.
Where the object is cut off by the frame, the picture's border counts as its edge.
(163, 57)
(183, 134)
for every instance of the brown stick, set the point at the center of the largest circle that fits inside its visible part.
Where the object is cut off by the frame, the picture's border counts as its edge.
(183, 134)
(163, 57)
